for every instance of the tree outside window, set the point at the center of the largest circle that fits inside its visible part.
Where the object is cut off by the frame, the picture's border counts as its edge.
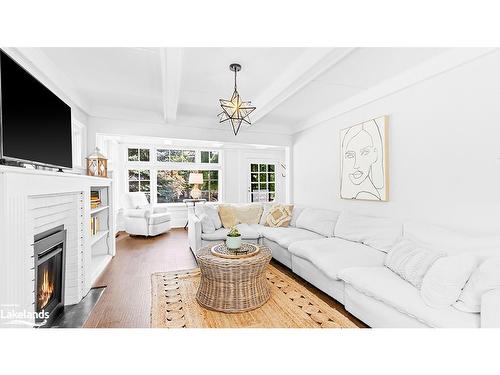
(140, 180)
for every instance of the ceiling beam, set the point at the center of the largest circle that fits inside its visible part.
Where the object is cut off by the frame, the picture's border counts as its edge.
(300, 73)
(171, 69)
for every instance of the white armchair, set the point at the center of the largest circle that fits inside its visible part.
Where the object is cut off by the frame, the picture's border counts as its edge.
(144, 219)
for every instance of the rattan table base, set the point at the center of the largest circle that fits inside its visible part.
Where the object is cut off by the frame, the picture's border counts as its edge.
(233, 285)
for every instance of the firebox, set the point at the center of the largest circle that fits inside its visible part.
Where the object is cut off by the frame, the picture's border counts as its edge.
(50, 250)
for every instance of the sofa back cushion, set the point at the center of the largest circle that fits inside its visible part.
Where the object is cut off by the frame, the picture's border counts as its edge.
(297, 210)
(318, 220)
(377, 232)
(248, 213)
(453, 243)
(484, 278)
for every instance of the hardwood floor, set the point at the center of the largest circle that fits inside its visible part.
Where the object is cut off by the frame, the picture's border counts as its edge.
(126, 302)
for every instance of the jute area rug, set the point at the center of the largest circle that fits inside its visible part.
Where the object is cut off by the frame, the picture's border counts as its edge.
(291, 305)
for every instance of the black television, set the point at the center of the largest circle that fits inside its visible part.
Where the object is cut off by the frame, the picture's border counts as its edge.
(35, 125)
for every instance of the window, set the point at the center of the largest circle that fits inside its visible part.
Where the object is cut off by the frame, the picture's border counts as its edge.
(139, 180)
(262, 182)
(138, 154)
(175, 156)
(211, 157)
(210, 188)
(173, 186)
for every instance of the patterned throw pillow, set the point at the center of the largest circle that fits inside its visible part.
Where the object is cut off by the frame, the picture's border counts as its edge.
(227, 216)
(279, 215)
(248, 213)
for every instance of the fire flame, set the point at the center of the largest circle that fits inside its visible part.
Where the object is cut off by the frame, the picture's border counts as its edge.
(46, 290)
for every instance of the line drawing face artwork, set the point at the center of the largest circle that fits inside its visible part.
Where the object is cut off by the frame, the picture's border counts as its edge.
(363, 163)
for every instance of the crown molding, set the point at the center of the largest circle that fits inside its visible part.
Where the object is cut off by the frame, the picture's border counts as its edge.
(440, 64)
(300, 73)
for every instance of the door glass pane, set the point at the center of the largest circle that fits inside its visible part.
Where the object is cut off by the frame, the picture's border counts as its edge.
(263, 168)
(255, 187)
(254, 177)
(270, 167)
(145, 186)
(271, 187)
(254, 167)
(271, 177)
(263, 177)
(263, 186)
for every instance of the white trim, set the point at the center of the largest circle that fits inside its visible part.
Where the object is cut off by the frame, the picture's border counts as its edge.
(309, 66)
(441, 64)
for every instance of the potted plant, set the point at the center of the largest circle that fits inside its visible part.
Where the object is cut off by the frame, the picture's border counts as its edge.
(233, 239)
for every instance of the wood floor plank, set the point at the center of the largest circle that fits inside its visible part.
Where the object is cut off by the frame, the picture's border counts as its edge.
(126, 302)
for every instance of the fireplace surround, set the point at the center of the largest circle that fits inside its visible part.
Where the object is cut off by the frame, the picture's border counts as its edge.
(49, 255)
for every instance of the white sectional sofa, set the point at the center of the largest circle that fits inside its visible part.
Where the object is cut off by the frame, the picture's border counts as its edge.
(343, 255)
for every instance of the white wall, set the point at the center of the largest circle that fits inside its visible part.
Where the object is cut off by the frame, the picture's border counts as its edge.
(444, 151)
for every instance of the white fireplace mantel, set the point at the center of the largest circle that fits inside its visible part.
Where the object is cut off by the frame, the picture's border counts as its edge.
(32, 201)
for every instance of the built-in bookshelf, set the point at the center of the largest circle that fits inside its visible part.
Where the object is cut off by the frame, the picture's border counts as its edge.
(101, 231)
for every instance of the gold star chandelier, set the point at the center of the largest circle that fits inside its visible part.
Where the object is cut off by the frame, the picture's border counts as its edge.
(235, 110)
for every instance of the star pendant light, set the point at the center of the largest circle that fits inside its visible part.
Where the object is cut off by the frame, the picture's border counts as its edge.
(235, 110)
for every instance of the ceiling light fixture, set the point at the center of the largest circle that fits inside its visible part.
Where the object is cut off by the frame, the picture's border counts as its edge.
(235, 110)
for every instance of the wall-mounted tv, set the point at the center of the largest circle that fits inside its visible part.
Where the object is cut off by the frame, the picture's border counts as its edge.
(35, 125)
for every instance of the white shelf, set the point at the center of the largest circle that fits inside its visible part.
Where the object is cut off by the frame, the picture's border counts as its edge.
(99, 236)
(98, 209)
(99, 263)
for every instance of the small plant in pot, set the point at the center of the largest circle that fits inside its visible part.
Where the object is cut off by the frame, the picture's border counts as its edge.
(233, 239)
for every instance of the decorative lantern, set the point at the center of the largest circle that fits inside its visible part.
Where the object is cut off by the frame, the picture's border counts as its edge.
(97, 164)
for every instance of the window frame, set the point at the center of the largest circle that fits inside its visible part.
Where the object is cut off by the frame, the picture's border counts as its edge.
(154, 166)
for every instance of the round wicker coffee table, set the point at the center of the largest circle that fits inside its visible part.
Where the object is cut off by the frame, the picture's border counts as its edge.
(233, 285)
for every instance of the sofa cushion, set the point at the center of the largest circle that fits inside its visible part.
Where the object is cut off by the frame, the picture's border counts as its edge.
(248, 213)
(484, 278)
(279, 215)
(384, 285)
(378, 232)
(247, 233)
(331, 255)
(318, 220)
(266, 207)
(438, 238)
(410, 261)
(285, 236)
(159, 218)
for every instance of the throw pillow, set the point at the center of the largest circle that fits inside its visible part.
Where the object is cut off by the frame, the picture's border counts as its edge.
(206, 224)
(445, 279)
(266, 207)
(213, 213)
(279, 215)
(484, 278)
(248, 213)
(410, 261)
(227, 216)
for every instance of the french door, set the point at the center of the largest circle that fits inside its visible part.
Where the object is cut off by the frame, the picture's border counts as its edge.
(263, 184)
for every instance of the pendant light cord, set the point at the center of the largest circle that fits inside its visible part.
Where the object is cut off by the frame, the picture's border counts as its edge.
(235, 71)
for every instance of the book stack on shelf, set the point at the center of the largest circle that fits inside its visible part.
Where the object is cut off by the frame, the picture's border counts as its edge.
(94, 225)
(95, 200)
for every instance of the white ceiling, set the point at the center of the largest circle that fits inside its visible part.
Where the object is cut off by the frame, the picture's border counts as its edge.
(288, 85)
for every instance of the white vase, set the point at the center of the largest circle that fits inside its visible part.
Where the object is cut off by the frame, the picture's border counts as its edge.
(233, 243)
